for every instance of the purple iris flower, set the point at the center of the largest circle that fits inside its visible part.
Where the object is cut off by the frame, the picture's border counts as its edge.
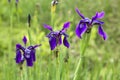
(55, 37)
(86, 24)
(25, 53)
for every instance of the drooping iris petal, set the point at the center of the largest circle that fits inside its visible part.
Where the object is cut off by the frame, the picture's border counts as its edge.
(33, 55)
(101, 15)
(52, 42)
(65, 42)
(102, 33)
(81, 15)
(25, 40)
(47, 27)
(66, 25)
(80, 29)
(18, 56)
(29, 61)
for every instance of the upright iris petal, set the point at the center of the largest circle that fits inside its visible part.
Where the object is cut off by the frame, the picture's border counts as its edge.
(81, 15)
(25, 40)
(47, 27)
(66, 25)
(101, 14)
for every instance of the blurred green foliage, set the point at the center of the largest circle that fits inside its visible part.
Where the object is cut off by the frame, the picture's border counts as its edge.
(99, 53)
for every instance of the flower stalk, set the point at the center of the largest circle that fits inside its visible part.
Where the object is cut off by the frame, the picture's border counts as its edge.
(84, 45)
(28, 28)
(53, 10)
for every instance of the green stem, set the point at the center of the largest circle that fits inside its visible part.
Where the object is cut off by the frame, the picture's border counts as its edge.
(29, 36)
(53, 9)
(57, 70)
(21, 75)
(85, 42)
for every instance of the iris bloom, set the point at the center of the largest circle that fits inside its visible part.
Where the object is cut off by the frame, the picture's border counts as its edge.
(86, 24)
(55, 37)
(25, 53)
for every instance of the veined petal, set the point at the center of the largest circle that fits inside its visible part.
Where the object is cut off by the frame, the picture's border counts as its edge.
(53, 43)
(65, 42)
(48, 27)
(25, 40)
(81, 15)
(80, 29)
(102, 33)
(29, 62)
(66, 25)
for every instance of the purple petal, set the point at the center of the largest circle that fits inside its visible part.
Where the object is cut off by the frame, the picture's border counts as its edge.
(63, 33)
(53, 43)
(66, 25)
(97, 22)
(102, 33)
(101, 15)
(18, 46)
(81, 15)
(48, 27)
(65, 42)
(33, 55)
(95, 17)
(86, 20)
(60, 40)
(29, 62)
(80, 29)
(37, 46)
(18, 56)
(25, 40)
(98, 15)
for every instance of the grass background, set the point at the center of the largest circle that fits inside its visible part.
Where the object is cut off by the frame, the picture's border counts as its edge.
(102, 60)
